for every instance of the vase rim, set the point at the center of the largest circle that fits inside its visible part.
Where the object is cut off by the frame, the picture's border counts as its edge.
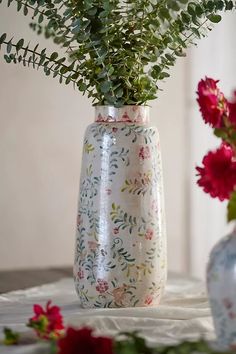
(127, 113)
(125, 105)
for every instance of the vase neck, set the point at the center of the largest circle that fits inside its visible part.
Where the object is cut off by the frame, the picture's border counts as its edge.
(129, 114)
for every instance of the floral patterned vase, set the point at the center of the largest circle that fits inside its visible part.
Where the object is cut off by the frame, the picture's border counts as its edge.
(221, 282)
(120, 258)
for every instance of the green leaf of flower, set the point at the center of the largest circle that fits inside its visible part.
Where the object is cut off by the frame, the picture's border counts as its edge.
(231, 209)
(11, 337)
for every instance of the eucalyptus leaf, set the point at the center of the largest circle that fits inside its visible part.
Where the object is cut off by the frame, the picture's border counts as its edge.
(214, 18)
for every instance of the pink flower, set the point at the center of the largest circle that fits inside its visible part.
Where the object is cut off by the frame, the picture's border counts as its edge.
(218, 174)
(149, 234)
(144, 153)
(116, 230)
(148, 300)
(213, 104)
(80, 273)
(102, 286)
(93, 245)
(82, 341)
(109, 191)
(48, 322)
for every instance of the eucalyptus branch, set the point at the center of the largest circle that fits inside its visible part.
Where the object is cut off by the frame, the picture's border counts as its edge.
(119, 49)
(52, 58)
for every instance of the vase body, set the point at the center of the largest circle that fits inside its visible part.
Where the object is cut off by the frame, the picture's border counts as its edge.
(221, 283)
(120, 257)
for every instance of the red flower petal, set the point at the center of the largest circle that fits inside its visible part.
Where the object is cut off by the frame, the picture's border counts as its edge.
(218, 174)
(38, 310)
(81, 341)
(213, 105)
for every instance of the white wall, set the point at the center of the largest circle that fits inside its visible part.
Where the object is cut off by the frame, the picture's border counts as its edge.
(41, 129)
(216, 58)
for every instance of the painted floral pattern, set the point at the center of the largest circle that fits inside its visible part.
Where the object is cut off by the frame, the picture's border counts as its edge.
(221, 282)
(120, 258)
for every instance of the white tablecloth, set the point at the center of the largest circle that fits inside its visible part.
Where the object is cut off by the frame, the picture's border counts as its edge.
(184, 313)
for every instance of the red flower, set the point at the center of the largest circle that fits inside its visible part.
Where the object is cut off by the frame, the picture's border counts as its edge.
(48, 323)
(232, 110)
(81, 341)
(213, 104)
(144, 153)
(218, 174)
(102, 286)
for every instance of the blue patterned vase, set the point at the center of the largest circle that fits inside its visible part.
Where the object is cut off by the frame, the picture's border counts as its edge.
(120, 257)
(221, 282)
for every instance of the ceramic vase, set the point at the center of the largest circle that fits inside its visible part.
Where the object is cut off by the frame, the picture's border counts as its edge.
(120, 257)
(221, 283)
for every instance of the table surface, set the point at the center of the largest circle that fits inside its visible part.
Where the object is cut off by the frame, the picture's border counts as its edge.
(23, 279)
(184, 313)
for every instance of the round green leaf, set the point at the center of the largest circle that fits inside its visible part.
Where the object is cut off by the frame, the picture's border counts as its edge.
(214, 18)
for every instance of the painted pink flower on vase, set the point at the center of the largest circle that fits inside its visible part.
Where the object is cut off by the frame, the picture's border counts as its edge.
(116, 230)
(148, 300)
(93, 245)
(144, 153)
(149, 234)
(80, 274)
(102, 286)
